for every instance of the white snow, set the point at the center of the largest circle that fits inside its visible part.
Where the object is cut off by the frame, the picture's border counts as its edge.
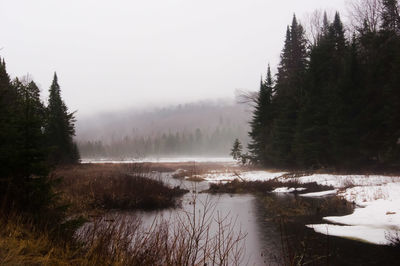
(377, 214)
(320, 194)
(288, 190)
(243, 176)
(361, 233)
(342, 181)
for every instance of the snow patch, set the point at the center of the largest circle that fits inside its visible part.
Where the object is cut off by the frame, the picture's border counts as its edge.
(288, 190)
(242, 176)
(377, 214)
(359, 232)
(320, 194)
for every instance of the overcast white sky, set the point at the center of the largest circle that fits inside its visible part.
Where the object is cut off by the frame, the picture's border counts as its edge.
(119, 54)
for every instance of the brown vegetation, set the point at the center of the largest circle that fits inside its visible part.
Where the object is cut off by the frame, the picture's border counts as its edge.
(289, 207)
(238, 186)
(109, 186)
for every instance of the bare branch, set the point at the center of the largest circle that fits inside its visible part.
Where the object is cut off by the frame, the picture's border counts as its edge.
(364, 13)
(246, 97)
(313, 25)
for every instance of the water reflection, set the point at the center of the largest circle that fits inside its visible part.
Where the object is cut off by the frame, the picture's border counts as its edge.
(262, 240)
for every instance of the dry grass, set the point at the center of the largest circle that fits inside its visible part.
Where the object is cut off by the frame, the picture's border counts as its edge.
(89, 188)
(194, 172)
(21, 243)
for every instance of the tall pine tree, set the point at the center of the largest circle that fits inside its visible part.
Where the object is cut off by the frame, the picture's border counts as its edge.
(60, 128)
(262, 122)
(289, 89)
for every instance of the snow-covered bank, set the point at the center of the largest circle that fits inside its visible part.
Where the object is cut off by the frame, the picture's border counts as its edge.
(377, 215)
(377, 199)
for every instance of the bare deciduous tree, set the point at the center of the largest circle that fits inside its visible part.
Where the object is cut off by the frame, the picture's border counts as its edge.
(364, 13)
(313, 25)
(246, 97)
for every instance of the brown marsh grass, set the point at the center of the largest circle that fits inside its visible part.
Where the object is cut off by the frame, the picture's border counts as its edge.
(89, 187)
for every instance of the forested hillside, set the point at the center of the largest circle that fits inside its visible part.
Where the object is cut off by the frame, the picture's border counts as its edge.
(334, 102)
(206, 128)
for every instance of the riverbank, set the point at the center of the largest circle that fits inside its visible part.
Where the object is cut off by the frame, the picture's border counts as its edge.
(376, 218)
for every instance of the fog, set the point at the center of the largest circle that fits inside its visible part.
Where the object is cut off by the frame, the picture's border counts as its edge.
(203, 128)
(117, 55)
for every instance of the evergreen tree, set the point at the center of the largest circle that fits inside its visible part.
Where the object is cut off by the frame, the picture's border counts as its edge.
(336, 106)
(289, 89)
(318, 116)
(30, 186)
(236, 151)
(8, 134)
(24, 185)
(261, 122)
(60, 128)
(337, 34)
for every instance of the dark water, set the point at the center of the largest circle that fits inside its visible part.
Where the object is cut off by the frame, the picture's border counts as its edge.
(272, 241)
(241, 210)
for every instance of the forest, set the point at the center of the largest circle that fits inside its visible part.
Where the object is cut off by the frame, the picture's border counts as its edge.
(204, 128)
(335, 101)
(34, 138)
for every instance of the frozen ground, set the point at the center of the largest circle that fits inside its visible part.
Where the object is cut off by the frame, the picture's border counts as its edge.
(377, 199)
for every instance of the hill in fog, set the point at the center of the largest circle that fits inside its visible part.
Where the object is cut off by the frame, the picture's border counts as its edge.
(206, 128)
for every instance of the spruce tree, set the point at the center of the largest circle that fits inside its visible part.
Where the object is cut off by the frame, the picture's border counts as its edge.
(8, 133)
(236, 151)
(262, 122)
(339, 105)
(60, 128)
(31, 187)
(289, 90)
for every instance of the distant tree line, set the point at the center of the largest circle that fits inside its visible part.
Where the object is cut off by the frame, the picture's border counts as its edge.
(334, 102)
(216, 142)
(33, 138)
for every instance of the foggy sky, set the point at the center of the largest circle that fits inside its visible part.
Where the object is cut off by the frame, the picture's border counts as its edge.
(119, 54)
